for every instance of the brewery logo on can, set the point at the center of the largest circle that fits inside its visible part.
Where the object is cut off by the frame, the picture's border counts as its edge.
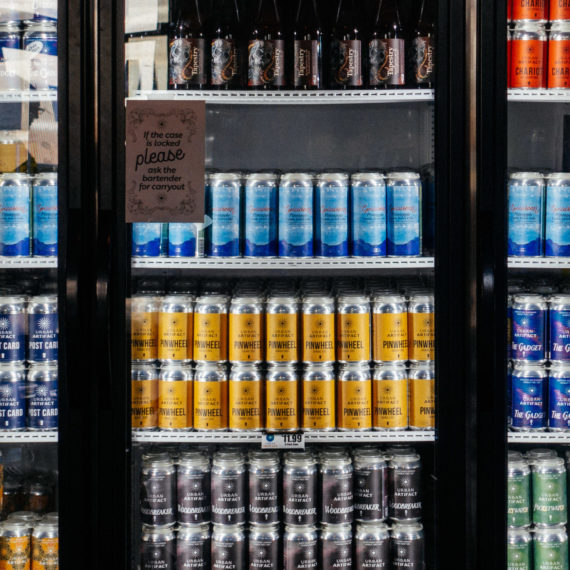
(529, 315)
(559, 398)
(211, 329)
(15, 214)
(372, 546)
(43, 329)
(300, 547)
(528, 56)
(519, 543)
(12, 397)
(229, 488)
(282, 329)
(530, 10)
(263, 543)
(15, 545)
(551, 548)
(193, 546)
(404, 487)
(44, 215)
(158, 490)
(407, 546)
(559, 56)
(404, 206)
(182, 239)
(193, 488)
(319, 405)
(299, 489)
(245, 331)
(281, 399)
(353, 328)
(549, 492)
(264, 480)
(144, 396)
(318, 329)
(245, 398)
(390, 328)
(144, 328)
(41, 392)
(174, 411)
(354, 397)
(390, 397)
(529, 393)
(45, 546)
(12, 329)
(157, 548)
(210, 397)
(336, 546)
(173, 318)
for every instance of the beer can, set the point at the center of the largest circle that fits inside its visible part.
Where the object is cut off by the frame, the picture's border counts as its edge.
(260, 238)
(281, 329)
(15, 215)
(41, 394)
(529, 397)
(319, 402)
(10, 39)
(15, 544)
(407, 546)
(353, 328)
(223, 206)
(404, 486)
(550, 548)
(404, 206)
(146, 239)
(422, 397)
(175, 393)
(245, 398)
(533, 455)
(557, 233)
(559, 328)
(370, 485)
(158, 490)
(193, 482)
(519, 543)
(331, 215)
(12, 396)
(245, 331)
(336, 546)
(12, 329)
(389, 328)
(210, 397)
(44, 215)
(559, 10)
(558, 56)
(282, 399)
(296, 200)
(229, 547)
(300, 547)
(336, 480)
(559, 397)
(264, 484)
(529, 314)
(28, 517)
(43, 329)
(229, 487)
(144, 396)
(390, 397)
(299, 489)
(518, 493)
(193, 546)
(175, 328)
(549, 492)
(157, 548)
(528, 56)
(318, 328)
(421, 327)
(182, 239)
(354, 397)
(368, 214)
(372, 545)
(264, 546)
(144, 328)
(211, 328)
(40, 40)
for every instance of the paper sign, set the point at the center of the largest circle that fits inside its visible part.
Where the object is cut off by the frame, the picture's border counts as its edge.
(141, 16)
(283, 441)
(164, 172)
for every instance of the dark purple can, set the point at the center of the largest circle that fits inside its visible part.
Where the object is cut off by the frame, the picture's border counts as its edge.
(372, 546)
(264, 471)
(264, 546)
(193, 486)
(370, 485)
(300, 547)
(193, 547)
(336, 546)
(336, 474)
(404, 487)
(157, 548)
(158, 490)
(229, 488)
(12, 329)
(228, 547)
(300, 489)
(407, 546)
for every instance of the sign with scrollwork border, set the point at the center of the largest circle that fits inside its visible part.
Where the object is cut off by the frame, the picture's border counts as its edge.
(164, 171)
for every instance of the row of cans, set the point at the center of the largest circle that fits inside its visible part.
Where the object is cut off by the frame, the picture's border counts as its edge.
(537, 549)
(29, 329)
(232, 547)
(28, 215)
(327, 486)
(282, 325)
(538, 10)
(282, 399)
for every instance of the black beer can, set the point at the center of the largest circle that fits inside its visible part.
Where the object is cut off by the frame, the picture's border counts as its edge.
(372, 546)
(193, 547)
(158, 489)
(300, 488)
(300, 547)
(157, 548)
(193, 483)
(336, 480)
(264, 546)
(264, 472)
(370, 485)
(228, 547)
(407, 546)
(404, 487)
(229, 487)
(336, 546)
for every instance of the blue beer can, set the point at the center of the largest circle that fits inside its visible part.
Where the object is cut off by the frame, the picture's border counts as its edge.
(260, 239)
(44, 215)
(43, 329)
(147, 238)
(557, 238)
(296, 215)
(559, 327)
(368, 214)
(181, 240)
(41, 392)
(331, 207)
(559, 397)
(13, 329)
(40, 40)
(12, 396)
(526, 214)
(15, 215)
(223, 206)
(529, 395)
(529, 328)
(404, 203)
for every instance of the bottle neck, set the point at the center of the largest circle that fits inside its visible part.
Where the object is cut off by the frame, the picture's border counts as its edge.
(267, 12)
(307, 14)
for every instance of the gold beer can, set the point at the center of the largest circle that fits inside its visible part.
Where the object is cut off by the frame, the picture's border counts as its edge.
(282, 329)
(144, 396)
(245, 404)
(144, 328)
(390, 328)
(318, 328)
(390, 397)
(281, 398)
(353, 328)
(354, 397)
(45, 546)
(210, 397)
(422, 396)
(174, 316)
(319, 402)
(174, 407)
(211, 328)
(246, 322)
(421, 328)
(15, 545)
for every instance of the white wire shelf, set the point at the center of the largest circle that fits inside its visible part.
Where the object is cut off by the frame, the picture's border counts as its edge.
(294, 97)
(538, 95)
(546, 437)
(28, 436)
(25, 96)
(28, 262)
(539, 262)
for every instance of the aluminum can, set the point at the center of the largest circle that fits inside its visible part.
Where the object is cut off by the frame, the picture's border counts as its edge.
(193, 488)
(245, 332)
(296, 215)
(28, 517)
(300, 547)
(182, 239)
(529, 397)
(519, 544)
(41, 394)
(533, 455)
(43, 329)
(331, 215)
(551, 548)
(318, 328)
(353, 328)
(559, 10)
(260, 238)
(210, 397)
(193, 547)
(15, 544)
(336, 479)
(264, 546)
(245, 398)
(404, 206)
(558, 58)
(229, 487)
(336, 546)
(175, 395)
(529, 316)
(422, 396)
(144, 328)
(518, 493)
(370, 485)
(404, 487)
(12, 396)
(390, 397)
(421, 327)
(223, 205)
(229, 547)
(299, 488)
(211, 328)
(559, 328)
(144, 396)
(282, 329)
(319, 402)
(40, 40)
(158, 490)
(10, 39)
(264, 483)
(12, 329)
(147, 239)
(157, 548)
(557, 232)
(526, 214)
(45, 546)
(282, 399)
(559, 397)
(549, 492)
(528, 56)
(15, 215)
(368, 214)
(354, 397)
(372, 545)
(175, 328)
(407, 546)
(389, 328)
(536, 11)
(44, 215)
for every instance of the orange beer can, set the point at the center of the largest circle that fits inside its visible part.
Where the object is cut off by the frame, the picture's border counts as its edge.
(246, 322)
(174, 333)
(421, 327)
(528, 56)
(354, 397)
(318, 329)
(210, 397)
(319, 406)
(211, 328)
(559, 56)
(45, 546)
(390, 328)
(144, 396)
(559, 10)
(281, 398)
(390, 397)
(422, 397)
(144, 328)
(536, 10)
(174, 406)
(15, 545)
(353, 328)
(245, 402)
(282, 329)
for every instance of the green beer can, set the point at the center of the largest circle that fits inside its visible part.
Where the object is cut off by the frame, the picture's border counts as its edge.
(551, 548)
(518, 549)
(518, 492)
(549, 492)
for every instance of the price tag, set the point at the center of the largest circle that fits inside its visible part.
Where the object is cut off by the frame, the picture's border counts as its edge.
(283, 441)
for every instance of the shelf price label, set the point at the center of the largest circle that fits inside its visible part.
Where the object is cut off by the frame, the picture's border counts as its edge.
(283, 441)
